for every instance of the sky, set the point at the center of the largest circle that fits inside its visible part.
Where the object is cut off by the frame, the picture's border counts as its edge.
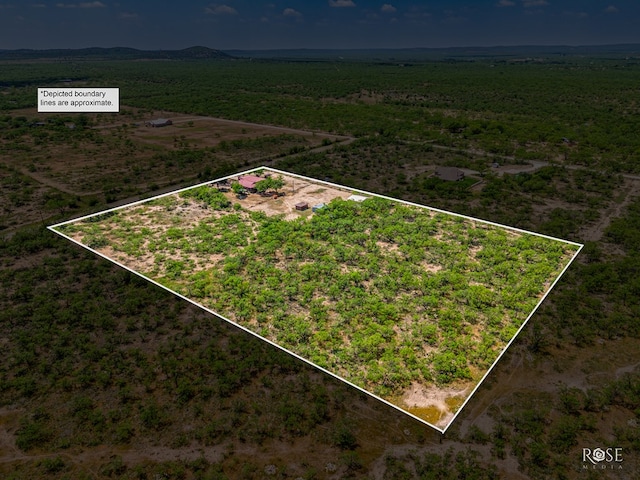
(321, 24)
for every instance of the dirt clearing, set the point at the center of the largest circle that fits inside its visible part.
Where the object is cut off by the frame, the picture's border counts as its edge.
(296, 191)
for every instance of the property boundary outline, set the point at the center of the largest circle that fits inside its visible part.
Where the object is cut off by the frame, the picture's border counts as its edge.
(309, 362)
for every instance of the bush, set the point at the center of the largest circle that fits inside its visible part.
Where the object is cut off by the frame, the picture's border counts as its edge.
(32, 434)
(124, 433)
(208, 195)
(343, 438)
(114, 468)
(53, 465)
(450, 367)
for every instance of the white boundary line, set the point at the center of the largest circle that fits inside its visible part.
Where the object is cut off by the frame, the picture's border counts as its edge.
(504, 350)
(341, 187)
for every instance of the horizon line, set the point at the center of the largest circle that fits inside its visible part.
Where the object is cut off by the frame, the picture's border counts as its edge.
(178, 49)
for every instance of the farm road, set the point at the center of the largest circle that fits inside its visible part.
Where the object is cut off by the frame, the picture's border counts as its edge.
(261, 125)
(631, 190)
(53, 184)
(266, 161)
(340, 140)
(592, 232)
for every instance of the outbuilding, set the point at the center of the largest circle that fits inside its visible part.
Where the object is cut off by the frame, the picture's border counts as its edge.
(302, 206)
(249, 181)
(449, 174)
(159, 122)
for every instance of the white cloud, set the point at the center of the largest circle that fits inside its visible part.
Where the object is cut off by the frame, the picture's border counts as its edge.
(128, 15)
(81, 5)
(505, 3)
(417, 14)
(38, 5)
(534, 3)
(290, 12)
(576, 14)
(611, 9)
(341, 3)
(388, 8)
(216, 9)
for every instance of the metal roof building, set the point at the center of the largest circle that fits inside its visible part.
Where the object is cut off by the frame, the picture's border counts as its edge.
(249, 181)
(450, 174)
(159, 122)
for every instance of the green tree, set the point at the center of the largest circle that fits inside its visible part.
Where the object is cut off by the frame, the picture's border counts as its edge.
(270, 184)
(237, 188)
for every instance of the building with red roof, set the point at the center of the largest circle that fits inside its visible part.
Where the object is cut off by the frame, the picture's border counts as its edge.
(249, 181)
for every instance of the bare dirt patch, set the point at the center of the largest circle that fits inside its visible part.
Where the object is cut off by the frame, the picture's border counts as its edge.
(121, 153)
(431, 267)
(210, 131)
(296, 191)
(436, 405)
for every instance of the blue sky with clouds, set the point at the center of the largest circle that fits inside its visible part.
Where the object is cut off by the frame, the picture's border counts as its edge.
(250, 24)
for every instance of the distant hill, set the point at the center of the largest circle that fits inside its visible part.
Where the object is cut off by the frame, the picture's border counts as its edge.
(115, 53)
(393, 55)
(416, 54)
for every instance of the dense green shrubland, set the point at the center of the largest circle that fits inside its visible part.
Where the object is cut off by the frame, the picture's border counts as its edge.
(379, 292)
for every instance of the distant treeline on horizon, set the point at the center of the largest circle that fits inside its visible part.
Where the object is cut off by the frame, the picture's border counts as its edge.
(395, 54)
